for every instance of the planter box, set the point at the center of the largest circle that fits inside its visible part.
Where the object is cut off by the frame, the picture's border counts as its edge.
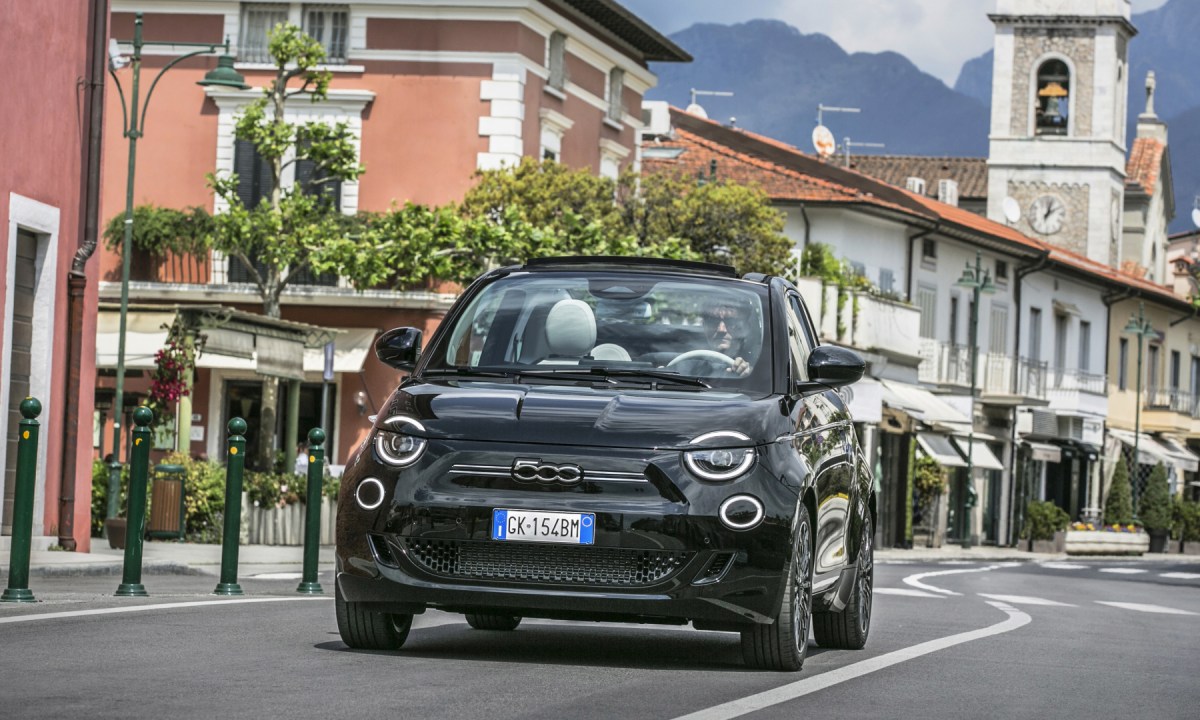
(285, 525)
(1103, 542)
(1057, 546)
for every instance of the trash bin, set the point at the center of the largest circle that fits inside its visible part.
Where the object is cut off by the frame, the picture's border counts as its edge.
(168, 511)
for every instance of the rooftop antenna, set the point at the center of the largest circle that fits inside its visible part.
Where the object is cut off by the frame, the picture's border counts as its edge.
(822, 138)
(695, 109)
(821, 109)
(847, 144)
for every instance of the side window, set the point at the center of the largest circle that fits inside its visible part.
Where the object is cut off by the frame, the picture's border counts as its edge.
(800, 338)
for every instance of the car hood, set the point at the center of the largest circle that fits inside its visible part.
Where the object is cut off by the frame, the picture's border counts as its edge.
(573, 415)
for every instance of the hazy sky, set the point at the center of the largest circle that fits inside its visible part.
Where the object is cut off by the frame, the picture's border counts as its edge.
(937, 35)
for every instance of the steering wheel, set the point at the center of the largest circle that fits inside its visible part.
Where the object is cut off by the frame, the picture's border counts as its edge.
(709, 358)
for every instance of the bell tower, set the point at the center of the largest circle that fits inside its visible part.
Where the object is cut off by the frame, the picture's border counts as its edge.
(1057, 140)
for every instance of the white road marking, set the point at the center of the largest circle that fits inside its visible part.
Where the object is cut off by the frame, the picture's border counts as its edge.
(906, 592)
(142, 608)
(1024, 600)
(915, 580)
(800, 688)
(1063, 566)
(1123, 570)
(956, 562)
(277, 576)
(1181, 576)
(1146, 608)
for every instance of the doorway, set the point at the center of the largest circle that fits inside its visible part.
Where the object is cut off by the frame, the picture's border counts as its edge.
(243, 398)
(24, 278)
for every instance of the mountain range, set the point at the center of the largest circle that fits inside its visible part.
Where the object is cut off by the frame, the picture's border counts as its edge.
(779, 75)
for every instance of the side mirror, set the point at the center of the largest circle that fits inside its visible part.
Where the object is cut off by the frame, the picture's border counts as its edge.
(399, 348)
(830, 366)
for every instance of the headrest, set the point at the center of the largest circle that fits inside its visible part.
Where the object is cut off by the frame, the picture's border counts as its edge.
(610, 351)
(570, 328)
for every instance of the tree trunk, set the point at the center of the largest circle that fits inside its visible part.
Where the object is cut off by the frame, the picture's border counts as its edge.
(269, 409)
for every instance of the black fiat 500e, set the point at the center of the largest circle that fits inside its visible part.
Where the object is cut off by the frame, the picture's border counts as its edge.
(620, 440)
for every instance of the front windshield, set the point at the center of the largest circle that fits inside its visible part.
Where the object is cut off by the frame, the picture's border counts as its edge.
(614, 324)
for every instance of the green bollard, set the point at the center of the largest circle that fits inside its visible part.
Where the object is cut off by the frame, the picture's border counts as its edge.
(135, 523)
(22, 524)
(233, 509)
(312, 521)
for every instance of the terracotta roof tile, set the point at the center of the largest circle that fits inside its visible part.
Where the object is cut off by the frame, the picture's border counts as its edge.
(1144, 164)
(970, 173)
(786, 173)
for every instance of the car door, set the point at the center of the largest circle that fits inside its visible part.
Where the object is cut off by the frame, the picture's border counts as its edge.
(825, 437)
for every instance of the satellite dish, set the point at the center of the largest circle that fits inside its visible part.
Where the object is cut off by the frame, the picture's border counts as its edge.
(1196, 217)
(1012, 210)
(695, 109)
(823, 141)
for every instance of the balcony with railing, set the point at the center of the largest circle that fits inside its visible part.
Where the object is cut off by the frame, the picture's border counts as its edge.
(1168, 409)
(1078, 391)
(862, 320)
(1002, 377)
(170, 268)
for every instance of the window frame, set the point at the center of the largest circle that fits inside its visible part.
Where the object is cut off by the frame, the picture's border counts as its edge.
(614, 92)
(258, 52)
(329, 10)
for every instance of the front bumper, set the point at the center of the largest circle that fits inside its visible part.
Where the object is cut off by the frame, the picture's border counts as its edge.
(660, 554)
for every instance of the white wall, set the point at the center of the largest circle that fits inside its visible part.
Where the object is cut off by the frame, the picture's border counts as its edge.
(876, 243)
(952, 258)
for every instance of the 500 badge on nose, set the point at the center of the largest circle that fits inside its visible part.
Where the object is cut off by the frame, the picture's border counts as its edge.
(536, 526)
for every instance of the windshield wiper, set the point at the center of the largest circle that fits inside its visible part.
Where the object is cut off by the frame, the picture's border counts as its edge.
(608, 374)
(468, 372)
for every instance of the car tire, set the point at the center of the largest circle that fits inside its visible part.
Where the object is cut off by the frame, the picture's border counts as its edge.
(369, 630)
(783, 644)
(493, 621)
(847, 630)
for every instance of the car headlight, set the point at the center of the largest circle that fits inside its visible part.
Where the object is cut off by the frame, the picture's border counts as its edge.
(719, 463)
(394, 443)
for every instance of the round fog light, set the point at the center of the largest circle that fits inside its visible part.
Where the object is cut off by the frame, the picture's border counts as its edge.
(369, 494)
(741, 512)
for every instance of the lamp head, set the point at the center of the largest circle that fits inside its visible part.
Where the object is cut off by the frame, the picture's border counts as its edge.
(968, 277)
(1133, 327)
(223, 75)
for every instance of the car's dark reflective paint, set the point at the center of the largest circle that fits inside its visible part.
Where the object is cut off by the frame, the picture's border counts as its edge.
(628, 442)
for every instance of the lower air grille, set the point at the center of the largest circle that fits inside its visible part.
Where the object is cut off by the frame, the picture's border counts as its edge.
(557, 565)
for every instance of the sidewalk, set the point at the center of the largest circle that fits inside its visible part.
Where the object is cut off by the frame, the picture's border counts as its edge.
(171, 558)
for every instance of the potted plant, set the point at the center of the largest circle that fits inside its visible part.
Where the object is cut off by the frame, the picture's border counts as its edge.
(1186, 528)
(1045, 527)
(929, 483)
(1118, 506)
(1154, 509)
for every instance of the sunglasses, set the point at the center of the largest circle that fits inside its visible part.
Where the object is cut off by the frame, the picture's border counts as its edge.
(732, 321)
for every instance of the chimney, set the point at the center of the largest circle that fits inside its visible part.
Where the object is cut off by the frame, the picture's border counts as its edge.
(915, 185)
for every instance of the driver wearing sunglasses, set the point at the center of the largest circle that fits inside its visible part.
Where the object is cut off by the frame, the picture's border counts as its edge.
(725, 328)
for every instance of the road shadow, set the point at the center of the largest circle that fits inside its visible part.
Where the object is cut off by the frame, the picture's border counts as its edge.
(584, 645)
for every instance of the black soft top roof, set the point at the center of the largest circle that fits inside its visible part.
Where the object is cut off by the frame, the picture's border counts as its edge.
(630, 263)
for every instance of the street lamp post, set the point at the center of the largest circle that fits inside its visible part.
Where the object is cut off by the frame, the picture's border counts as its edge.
(133, 127)
(979, 281)
(1140, 327)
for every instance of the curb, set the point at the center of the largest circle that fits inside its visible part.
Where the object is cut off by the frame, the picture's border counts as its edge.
(98, 570)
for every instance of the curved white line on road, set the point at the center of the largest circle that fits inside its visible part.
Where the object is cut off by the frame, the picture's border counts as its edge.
(906, 593)
(915, 580)
(142, 608)
(800, 688)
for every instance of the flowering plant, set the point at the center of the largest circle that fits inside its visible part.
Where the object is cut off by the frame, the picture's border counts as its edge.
(1116, 527)
(173, 366)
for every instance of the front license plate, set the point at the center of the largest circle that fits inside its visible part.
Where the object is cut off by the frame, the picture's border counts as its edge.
(553, 527)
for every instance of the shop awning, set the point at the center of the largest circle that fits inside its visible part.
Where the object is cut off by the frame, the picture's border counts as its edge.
(234, 340)
(1150, 451)
(981, 455)
(920, 403)
(1045, 452)
(350, 351)
(938, 447)
(1185, 459)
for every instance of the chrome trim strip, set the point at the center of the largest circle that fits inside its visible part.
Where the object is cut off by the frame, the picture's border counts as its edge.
(588, 475)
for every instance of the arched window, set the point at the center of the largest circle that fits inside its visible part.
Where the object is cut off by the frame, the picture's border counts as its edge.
(1053, 98)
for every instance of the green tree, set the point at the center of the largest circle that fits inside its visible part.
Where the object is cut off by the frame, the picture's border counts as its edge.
(289, 230)
(1118, 506)
(1154, 506)
(545, 208)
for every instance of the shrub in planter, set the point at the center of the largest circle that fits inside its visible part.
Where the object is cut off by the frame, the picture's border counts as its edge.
(1154, 507)
(1042, 520)
(1118, 506)
(100, 494)
(1185, 520)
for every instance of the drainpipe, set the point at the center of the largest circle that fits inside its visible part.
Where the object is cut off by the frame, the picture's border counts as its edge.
(807, 228)
(912, 243)
(1018, 279)
(93, 124)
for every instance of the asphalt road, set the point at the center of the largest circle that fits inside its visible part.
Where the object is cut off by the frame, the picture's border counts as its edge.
(1080, 639)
